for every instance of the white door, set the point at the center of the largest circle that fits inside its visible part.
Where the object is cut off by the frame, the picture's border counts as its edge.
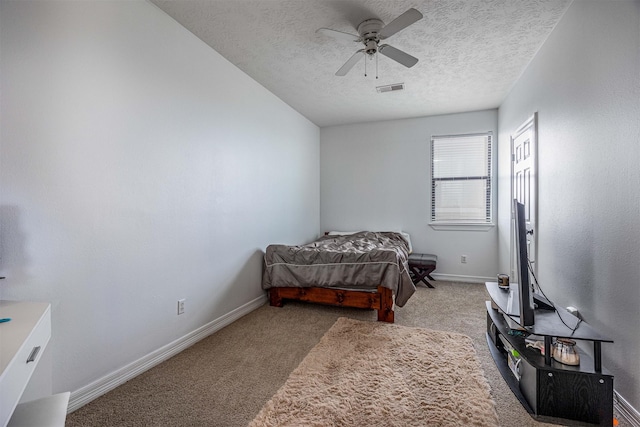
(524, 173)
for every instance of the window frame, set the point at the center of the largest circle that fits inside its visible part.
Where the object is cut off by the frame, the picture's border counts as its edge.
(465, 224)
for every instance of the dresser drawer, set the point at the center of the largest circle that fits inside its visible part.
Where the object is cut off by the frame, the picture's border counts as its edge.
(24, 340)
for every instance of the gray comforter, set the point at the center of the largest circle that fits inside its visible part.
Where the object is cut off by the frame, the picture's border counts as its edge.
(358, 261)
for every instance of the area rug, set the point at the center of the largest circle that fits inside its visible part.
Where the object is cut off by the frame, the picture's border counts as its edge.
(379, 374)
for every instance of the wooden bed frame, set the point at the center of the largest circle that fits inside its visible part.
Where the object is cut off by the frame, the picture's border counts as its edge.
(380, 299)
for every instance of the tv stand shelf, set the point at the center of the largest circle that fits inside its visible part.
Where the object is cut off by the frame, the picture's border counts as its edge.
(550, 390)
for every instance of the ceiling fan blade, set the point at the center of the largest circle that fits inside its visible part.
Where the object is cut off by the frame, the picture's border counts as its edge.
(400, 23)
(340, 35)
(350, 63)
(398, 55)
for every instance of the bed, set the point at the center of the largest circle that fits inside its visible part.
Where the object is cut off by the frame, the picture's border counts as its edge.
(364, 270)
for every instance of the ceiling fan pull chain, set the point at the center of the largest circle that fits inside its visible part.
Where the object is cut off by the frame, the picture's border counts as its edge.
(365, 65)
(376, 65)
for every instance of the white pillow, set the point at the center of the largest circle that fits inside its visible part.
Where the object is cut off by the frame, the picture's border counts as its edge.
(341, 233)
(408, 239)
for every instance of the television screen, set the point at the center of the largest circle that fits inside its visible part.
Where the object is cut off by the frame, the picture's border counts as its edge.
(524, 288)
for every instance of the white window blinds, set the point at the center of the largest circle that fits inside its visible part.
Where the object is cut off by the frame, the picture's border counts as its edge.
(461, 178)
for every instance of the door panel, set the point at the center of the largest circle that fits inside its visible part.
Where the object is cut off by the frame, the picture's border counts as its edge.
(523, 185)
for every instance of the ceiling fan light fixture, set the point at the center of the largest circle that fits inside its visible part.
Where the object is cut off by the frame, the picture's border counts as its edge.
(371, 47)
(390, 88)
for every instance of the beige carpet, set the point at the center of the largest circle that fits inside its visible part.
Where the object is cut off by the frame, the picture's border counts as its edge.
(225, 379)
(378, 374)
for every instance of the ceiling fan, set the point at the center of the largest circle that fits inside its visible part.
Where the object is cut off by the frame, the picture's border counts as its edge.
(371, 32)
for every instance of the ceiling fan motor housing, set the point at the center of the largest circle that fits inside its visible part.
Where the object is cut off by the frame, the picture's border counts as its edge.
(368, 31)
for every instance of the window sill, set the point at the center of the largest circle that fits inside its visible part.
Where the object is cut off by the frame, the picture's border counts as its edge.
(460, 226)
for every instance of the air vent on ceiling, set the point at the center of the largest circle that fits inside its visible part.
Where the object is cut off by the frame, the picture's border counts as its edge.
(390, 88)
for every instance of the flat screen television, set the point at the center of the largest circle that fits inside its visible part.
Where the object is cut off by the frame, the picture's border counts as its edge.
(524, 288)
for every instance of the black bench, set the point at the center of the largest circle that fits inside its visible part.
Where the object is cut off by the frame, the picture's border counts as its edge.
(421, 266)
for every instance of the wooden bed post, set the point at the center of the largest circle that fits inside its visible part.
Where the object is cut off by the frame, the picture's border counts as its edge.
(385, 312)
(275, 299)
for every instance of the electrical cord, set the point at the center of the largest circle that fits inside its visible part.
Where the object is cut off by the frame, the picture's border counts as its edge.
(535, 280)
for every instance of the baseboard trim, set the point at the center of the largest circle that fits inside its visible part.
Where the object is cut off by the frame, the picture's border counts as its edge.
(625, 411)
(461, 278)
(107, 383)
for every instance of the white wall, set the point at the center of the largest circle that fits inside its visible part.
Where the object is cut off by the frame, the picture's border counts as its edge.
(585, 85)
(138, 167)
(376, 176)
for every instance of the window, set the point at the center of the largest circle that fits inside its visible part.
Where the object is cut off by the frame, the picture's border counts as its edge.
(461, 179)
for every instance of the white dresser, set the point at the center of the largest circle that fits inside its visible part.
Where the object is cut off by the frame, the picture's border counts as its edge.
(22, 343)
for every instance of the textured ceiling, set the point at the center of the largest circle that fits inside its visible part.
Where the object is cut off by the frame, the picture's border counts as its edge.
(470, 51)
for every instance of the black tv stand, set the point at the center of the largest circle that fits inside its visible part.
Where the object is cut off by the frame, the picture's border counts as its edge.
(549, 390)
(541, 303)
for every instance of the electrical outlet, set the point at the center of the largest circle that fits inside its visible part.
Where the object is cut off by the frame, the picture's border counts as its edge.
(463, 259)
(181, 306)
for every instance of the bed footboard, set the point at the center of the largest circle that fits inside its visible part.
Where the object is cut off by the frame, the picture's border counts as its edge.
(380, 299)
